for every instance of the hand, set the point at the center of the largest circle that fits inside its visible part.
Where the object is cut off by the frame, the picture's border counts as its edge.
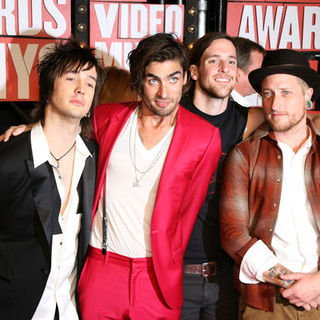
(305, 292)
(15, 131)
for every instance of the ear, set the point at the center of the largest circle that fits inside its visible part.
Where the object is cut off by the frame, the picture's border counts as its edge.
(308, 94)
(194, 72)
(238, 76)
(240, 73)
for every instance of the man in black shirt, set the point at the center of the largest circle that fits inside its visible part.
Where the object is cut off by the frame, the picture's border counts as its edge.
(208, 288)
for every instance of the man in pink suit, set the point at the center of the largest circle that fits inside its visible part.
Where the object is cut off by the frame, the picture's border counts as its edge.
(155, 163)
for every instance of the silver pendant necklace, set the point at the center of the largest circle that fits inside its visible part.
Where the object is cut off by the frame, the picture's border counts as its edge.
(132, 151)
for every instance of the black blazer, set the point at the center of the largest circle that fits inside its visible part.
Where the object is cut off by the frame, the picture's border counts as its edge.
(29, 209)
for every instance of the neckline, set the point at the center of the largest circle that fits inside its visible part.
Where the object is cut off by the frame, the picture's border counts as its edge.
(157, 146)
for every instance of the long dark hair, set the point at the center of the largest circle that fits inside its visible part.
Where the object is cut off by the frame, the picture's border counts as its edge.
(66, 56)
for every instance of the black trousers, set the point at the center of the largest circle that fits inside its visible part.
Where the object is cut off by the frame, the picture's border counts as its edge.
(210, 298)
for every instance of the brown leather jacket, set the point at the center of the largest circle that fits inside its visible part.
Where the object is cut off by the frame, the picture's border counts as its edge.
(250, 197)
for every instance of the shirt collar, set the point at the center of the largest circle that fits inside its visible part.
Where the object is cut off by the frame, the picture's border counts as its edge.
(81, 147)
(264, 130)
(237, 97)
(40, 148)
(306, 145)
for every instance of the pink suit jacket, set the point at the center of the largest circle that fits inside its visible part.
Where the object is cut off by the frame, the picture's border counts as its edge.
(191, 161)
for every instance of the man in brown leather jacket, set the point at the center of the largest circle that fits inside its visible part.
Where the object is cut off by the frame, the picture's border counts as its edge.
(270, 202)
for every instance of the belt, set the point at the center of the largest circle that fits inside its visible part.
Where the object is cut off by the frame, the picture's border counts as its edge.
(207, 269)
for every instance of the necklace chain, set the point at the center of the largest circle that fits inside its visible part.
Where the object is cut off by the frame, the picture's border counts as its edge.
(132, 151)
(58, 159)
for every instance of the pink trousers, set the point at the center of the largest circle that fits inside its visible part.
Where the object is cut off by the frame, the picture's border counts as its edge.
(112, 286)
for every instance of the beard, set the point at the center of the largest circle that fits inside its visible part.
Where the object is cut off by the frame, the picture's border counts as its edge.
(216, 91)
(161, 112)
(282, 126)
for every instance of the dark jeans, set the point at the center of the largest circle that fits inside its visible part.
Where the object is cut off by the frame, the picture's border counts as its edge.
(210, 298)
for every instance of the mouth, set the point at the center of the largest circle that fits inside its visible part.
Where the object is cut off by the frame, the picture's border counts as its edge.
(277, 115)
(77, 102)
(162, 103)
(222, 79)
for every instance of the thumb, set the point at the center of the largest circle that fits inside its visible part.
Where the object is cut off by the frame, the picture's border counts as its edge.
(292, 276)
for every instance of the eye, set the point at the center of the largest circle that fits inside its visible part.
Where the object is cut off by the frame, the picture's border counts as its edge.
(90, 85)
(212, 61)
(286, 92)
(153, 81)
(232, 62)
(265, 94)
(174, 79)
(69, 78)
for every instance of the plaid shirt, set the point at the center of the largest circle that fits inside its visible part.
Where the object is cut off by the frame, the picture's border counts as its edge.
(250, 198)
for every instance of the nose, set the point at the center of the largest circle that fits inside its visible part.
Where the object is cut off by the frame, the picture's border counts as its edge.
(80, 89)
(223, 66)
(162, 91)
(275, 100)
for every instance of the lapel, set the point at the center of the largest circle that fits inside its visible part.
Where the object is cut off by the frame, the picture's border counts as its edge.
(85, 190)
(178, 160)
(176, 149)
(110, 131)
(46, 198)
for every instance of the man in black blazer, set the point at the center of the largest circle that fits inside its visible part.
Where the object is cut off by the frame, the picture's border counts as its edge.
(47, 178)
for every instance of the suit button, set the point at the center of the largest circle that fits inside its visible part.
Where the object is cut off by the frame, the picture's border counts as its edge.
(278, 180)
(278, 156)
(270, 229)
(274, 204)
